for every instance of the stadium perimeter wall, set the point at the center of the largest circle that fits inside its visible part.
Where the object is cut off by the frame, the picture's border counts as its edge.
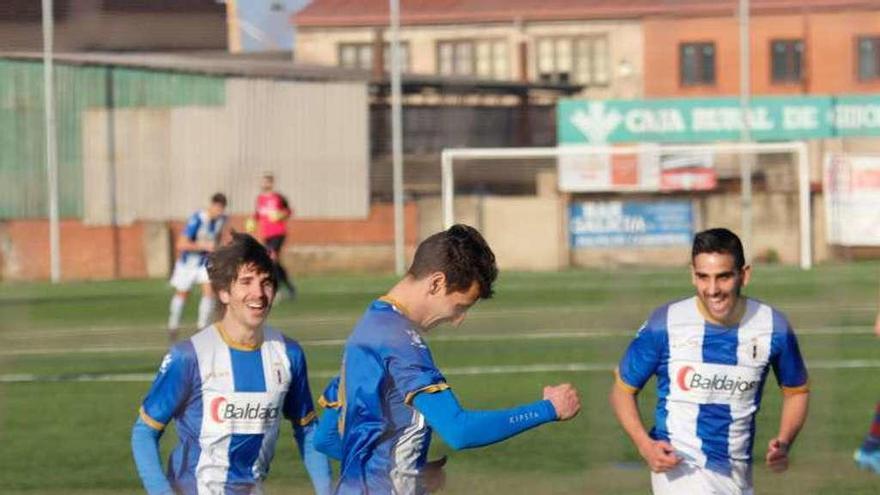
(145, 249)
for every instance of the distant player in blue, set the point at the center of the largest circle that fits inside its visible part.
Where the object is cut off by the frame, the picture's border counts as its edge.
(711, 354)
(868, 455)
(228, 388)
(200, 236)
(391, 393)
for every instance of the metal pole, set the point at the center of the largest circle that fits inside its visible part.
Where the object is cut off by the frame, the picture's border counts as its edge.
(51, 146)
(447, 189)
(805, 207)
(397, 139)
(745, 159)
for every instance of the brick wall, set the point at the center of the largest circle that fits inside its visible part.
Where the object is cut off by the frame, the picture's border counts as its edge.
(830, 60)
(96, 252)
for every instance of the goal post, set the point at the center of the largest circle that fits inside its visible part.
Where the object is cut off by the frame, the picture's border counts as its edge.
(798, 149)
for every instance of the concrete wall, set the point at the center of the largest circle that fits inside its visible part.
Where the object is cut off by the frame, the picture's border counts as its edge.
(524, 232)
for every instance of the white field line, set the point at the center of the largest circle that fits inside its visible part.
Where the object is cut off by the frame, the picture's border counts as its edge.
(540, 334)
(462, 371)
(350, 319)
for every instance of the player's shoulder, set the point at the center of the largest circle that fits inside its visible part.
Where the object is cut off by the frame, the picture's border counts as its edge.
(781, 323)
(291, 346)
(659, 318)
(180, 355)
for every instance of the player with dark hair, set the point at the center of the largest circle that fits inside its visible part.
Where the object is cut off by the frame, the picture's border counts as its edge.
(201, 235)
(227, 389)
(391, 394)
(711, 354)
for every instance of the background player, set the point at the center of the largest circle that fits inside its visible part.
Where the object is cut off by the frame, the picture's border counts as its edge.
(711, 354)
(200, 236)
(271, 217)
(868, 455)
(392, 394)
(227, 388)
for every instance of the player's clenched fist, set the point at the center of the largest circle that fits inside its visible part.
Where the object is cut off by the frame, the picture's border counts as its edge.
(565, 400)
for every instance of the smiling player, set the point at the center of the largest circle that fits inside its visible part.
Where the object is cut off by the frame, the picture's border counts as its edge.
(711, 354)
(227, 388)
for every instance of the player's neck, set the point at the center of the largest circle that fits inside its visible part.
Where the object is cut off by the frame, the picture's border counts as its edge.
(239, 336)
(733, 319)
(402, 297)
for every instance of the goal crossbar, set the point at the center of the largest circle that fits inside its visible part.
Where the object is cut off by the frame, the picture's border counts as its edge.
(797, 148)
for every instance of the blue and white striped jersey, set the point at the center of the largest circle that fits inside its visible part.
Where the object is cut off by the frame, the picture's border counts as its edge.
(201, 228)
(710, 379)
(384, 439)
(227, 401)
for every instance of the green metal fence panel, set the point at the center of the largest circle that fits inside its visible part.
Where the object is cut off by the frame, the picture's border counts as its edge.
(23, 191)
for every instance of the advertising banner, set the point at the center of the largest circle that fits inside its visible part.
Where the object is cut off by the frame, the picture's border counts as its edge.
(608, 224)
(851, 184)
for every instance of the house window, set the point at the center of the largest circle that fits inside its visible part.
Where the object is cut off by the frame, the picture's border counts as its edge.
(697, 64)
(579, 60)
(869, 57)
(360, 56)
(786, 59)
(487, 59)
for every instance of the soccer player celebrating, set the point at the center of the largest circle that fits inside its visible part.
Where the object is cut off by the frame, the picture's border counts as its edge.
(711, 354)
(227, 388)
(202, 234)
(270, 220)
(391, 393)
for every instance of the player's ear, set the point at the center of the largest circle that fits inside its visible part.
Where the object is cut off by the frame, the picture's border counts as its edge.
(436, 283)
(746, 274)
(223, 295)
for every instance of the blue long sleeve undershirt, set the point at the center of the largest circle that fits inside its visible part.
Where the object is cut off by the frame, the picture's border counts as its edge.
(145, 449)
(462, 429)
(315, 462)
(327, 438)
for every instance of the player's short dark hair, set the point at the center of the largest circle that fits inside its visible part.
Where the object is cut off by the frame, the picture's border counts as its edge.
(462, 255)
(719, 241)
(225, 262)
(219, 198)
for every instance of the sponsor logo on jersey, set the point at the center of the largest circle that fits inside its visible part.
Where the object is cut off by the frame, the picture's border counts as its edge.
(223, 410)
(689, 379)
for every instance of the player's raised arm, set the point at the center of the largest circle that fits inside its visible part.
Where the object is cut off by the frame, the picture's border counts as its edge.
(462, 429)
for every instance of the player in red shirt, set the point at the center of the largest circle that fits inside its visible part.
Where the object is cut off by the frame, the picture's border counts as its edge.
(270, 222)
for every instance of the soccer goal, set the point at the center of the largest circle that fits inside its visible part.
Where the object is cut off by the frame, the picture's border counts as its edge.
(660, 168)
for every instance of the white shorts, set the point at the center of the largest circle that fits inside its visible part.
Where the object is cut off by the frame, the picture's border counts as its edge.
(189, 273)
(690, 479)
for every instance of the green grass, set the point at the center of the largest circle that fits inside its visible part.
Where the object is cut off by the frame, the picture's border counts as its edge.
(62, 437)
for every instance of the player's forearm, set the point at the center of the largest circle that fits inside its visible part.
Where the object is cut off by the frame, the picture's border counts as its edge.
(626, 410)
(462, 429)
(793, 416)
(316, 463)
(145, 450)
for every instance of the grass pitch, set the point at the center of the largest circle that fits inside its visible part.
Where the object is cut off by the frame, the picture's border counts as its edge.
(77, 358)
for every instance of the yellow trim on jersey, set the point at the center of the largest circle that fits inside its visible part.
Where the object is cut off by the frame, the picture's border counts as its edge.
(738, 312)
(622, 384)
(394, 302)
(152, 423)
(308, 419)
(340, 398)
(796, 390)
(234, 345)
(326, 404)
(430, 389)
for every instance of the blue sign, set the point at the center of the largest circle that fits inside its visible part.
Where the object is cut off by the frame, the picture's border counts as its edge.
(602, 224)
